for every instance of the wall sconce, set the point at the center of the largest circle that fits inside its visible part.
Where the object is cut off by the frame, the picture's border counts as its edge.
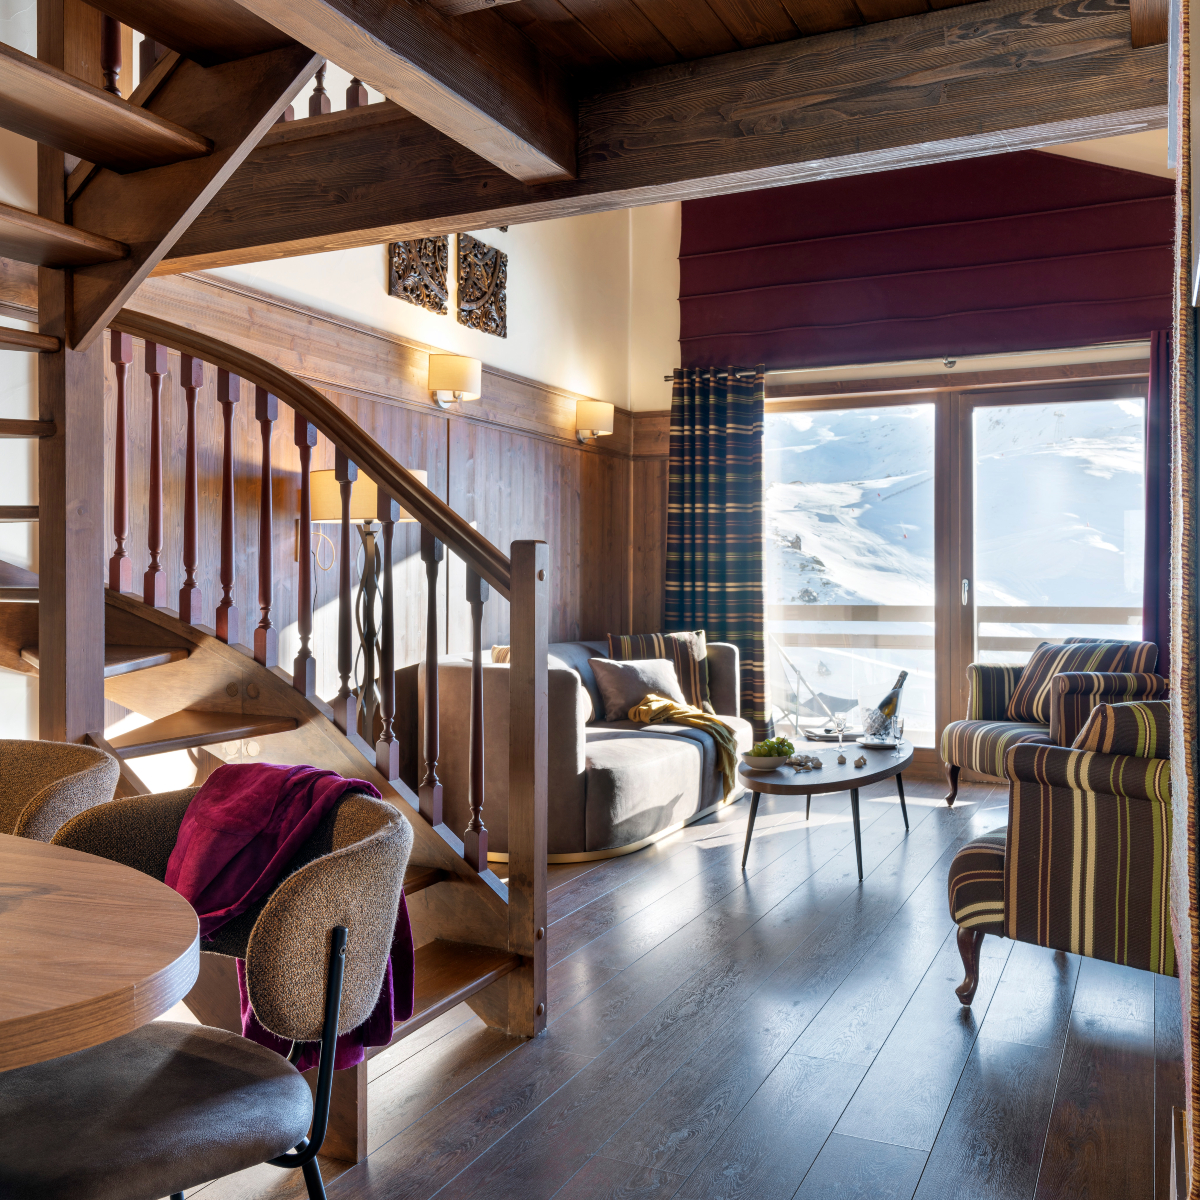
(454, 377)
(593, 419)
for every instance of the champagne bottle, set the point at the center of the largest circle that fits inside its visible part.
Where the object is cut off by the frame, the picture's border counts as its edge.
(876, 722)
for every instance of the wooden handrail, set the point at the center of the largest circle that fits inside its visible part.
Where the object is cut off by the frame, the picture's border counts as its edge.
(358, 445)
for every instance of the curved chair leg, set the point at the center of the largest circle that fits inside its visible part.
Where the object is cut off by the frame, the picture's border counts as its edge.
(969, 943)
(313, 1181)
(952, 778)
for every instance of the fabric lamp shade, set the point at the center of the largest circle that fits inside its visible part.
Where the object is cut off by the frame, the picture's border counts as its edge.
(326, 495)
(456, 374)
(594, 415)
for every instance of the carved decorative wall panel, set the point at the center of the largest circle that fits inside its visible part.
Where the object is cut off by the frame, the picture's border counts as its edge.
(419, 272)
(482, 286)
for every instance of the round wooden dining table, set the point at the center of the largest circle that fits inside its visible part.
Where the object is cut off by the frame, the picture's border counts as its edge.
(89, 950)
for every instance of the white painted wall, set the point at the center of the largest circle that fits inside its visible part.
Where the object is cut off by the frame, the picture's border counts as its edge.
(592, 301)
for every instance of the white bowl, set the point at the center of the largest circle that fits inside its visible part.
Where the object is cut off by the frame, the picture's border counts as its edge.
(758, 763)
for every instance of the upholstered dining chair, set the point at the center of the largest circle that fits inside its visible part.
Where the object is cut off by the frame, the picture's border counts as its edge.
(44, 784)
(1082, 864)
(1046, 702)
(171, 1105)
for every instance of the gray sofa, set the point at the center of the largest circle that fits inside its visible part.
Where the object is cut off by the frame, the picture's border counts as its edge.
(613, 785)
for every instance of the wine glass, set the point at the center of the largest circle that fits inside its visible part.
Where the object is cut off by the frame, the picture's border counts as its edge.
(839, 723)
(897, 734)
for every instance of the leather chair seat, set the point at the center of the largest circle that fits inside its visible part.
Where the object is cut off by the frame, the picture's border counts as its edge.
(162, 1109)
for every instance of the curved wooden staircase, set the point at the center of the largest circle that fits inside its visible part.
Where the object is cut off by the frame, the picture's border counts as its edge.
(480, 939)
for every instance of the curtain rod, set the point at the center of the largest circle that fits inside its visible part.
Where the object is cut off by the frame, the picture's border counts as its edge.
(721, 375)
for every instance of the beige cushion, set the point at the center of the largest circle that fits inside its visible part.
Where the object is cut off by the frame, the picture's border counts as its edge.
(626, 684)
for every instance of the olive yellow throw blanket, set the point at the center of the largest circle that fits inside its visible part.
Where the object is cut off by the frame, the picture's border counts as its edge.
(655, 708)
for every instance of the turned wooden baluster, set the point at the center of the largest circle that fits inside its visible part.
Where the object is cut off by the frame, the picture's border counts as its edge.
(266, 639)
(120, 566)
(288, 114)
(387, 749)
(345, 706)
(356, 94)
(191, 600)
(475, 837)
(110, 54)
(229, 392)
(154, 582)
(430, 791)
(304, 670)
(319, 101)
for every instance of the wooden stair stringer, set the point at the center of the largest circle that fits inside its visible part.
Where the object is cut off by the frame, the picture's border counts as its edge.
(465, 906)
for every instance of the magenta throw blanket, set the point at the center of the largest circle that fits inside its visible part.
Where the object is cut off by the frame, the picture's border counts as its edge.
(242, 828)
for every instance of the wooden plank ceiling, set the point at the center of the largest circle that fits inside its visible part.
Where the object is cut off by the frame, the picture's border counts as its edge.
(601, 37)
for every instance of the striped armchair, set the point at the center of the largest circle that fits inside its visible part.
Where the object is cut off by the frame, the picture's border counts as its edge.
(1046, 702)
(1082, 865)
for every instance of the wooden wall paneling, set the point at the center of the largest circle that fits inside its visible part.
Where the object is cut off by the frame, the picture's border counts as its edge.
(648, 539)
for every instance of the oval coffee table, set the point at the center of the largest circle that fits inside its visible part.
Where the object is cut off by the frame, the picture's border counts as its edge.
(832, 777)
(89, 950)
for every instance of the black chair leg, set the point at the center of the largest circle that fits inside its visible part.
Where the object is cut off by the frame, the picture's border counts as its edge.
(857, 830)
(176, 1196)
(903, 809)
(952, 780)
(807, 804)
(313, 1181)
(750, 828)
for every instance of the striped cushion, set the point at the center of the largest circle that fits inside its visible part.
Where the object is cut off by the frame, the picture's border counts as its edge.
(688, 651)
(1074, 695)
(977, 884)
(1086, 867)
(1143, 656)
(1030, 700)
(1141, 729)
(980, 746)
(991, 689)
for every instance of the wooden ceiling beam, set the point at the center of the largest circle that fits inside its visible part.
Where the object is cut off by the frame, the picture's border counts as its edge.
(992, 77)
(481, 83)
(232, 105)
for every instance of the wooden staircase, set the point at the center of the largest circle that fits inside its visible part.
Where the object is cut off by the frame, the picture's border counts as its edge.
(480, 939)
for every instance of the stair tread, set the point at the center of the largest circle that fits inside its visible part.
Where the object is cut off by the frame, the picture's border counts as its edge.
(447, 973)
(416, 878)
(29, 238)
(41, 102)
(121, 660)
(194, 727)
(16, 579)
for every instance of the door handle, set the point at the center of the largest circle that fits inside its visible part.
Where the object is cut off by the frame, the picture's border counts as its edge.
(966, 592)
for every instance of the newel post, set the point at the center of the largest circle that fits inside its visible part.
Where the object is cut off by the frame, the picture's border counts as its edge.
(529, 615)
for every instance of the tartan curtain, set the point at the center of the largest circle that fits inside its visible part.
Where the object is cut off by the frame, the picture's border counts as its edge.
(715, 520)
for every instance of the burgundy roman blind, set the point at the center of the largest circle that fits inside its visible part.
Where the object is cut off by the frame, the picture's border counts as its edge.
(1021, 251)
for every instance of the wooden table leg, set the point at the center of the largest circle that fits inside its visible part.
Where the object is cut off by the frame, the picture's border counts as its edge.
(903, 809)
(750, 828)
(857, 830)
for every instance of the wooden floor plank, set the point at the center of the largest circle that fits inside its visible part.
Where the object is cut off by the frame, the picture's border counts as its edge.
(768, 1149)
(1101, 1136)
(990, 1142)
(606, 1179)
(1032, 1005)
(906, 1092)
(853, 1169)
(1168, 1077)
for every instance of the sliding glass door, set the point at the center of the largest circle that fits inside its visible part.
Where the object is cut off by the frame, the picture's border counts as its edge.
(1059, 523)
(850, 547)
(929, 532)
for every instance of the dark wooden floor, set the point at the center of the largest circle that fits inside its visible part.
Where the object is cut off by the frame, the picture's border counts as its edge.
(782, 1033)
